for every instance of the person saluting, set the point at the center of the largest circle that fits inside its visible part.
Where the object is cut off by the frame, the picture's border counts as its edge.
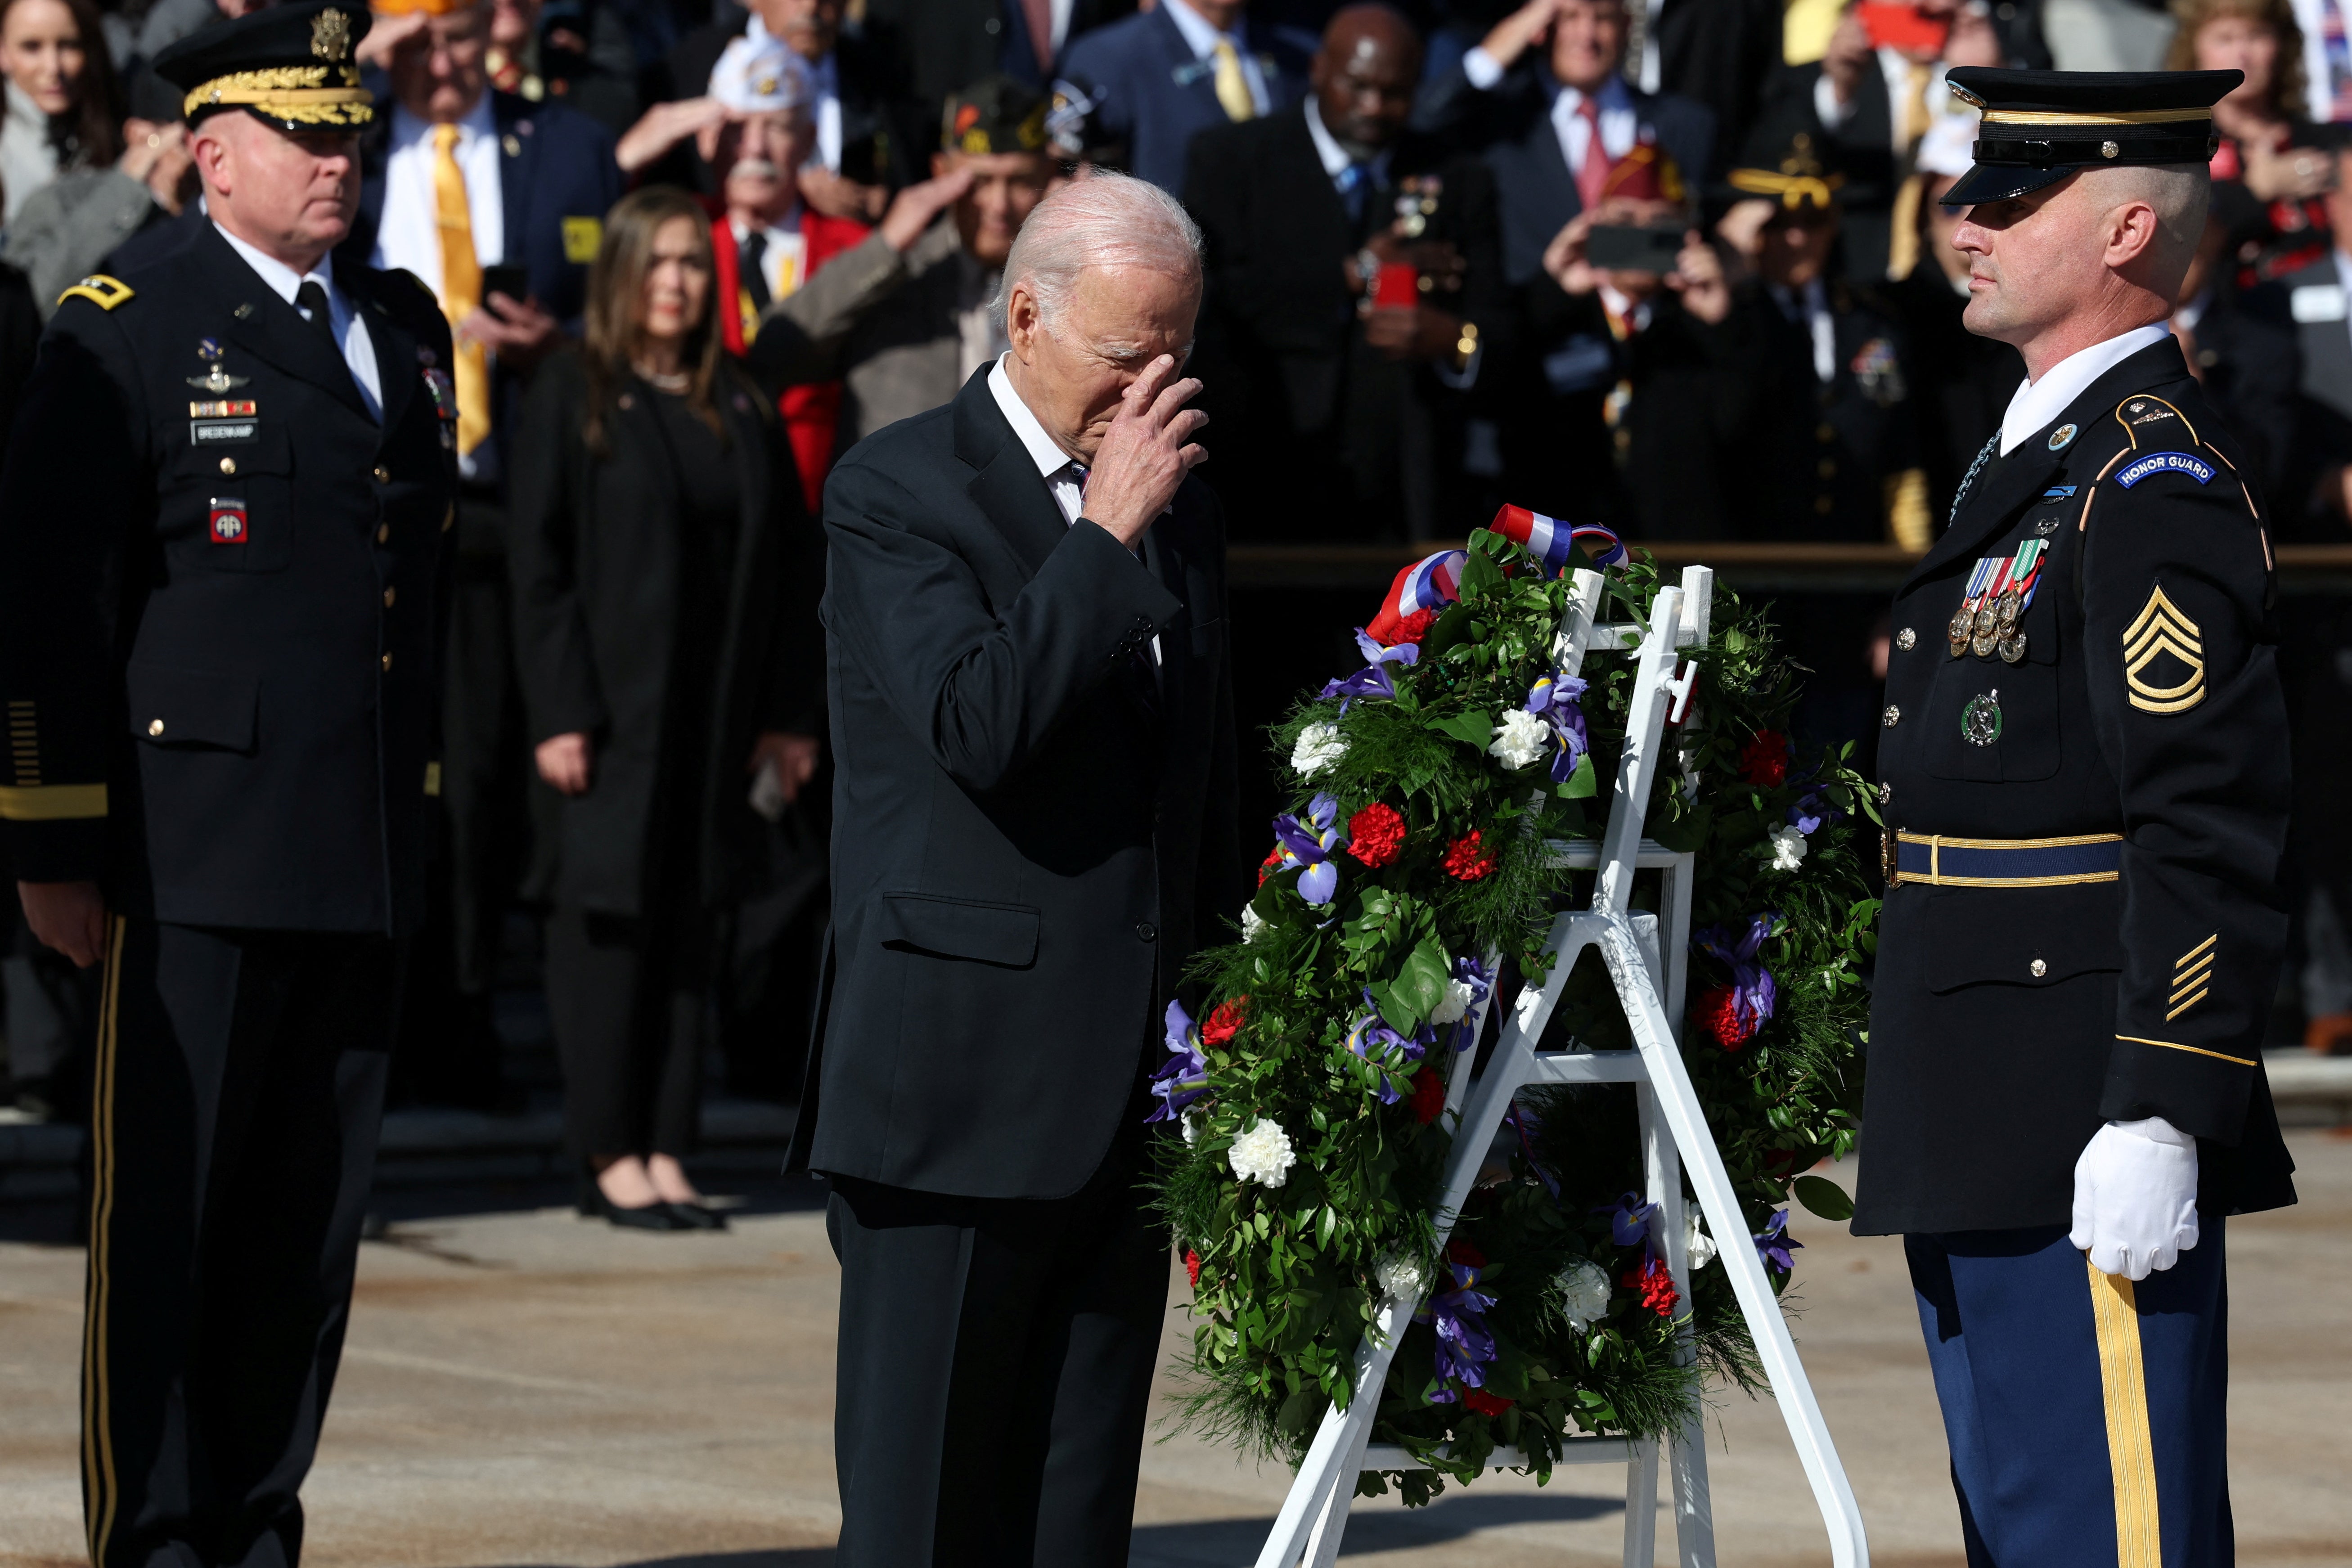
(221, 516)
(2084, 782)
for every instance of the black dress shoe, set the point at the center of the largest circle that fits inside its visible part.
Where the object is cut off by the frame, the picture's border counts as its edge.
(694, 1216)
(645, 1217)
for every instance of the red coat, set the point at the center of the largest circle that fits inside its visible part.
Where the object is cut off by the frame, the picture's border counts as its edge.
(811, 412)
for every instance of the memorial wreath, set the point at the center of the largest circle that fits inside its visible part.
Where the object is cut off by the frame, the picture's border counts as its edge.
(1413, 877)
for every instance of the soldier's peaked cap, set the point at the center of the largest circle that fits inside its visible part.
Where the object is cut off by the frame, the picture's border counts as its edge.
(2040, 126)
(289, 65)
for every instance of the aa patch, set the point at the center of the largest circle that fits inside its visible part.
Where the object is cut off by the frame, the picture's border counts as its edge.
(2156, 463)
(228, 525)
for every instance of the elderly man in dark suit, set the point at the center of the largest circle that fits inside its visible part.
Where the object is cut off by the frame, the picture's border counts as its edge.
(1134, 94)
(1033, 830)
(1545, 99)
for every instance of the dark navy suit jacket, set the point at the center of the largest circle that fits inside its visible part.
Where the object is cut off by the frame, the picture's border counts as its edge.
(1511, 128)
(1152, 96)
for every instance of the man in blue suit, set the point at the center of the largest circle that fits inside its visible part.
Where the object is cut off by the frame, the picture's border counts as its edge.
(1135, 93)
(1540, 97)
(509, 264)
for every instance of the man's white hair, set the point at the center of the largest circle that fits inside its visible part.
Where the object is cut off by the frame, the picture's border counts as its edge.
(1098, 220)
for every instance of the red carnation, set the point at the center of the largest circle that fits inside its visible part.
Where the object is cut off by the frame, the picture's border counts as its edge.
(1428, 1095)
(1717, 1011)
(1412, 628)
(1463, 861)
(1656, 1284)
(1765, 762)
(1193, 1268)
(1376, 833)
(1481, 1402)
(1463, 1250)
(1270, 865)
(1223, 1023)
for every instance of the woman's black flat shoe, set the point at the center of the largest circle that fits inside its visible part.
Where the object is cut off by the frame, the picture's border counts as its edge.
(694, 1216)
(649, 1216)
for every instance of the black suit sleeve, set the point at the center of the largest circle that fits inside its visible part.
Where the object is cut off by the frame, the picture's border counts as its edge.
(77, 486)
(554, 657)
(2187, 706)
(981, 686)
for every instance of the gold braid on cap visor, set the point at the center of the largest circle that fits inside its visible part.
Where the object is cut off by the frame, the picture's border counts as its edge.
(2078, 117)
(1794, 189)
(295, 93)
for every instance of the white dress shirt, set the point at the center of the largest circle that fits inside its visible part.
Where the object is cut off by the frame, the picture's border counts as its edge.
(1065, 476)
(1202, 38)
(783, 260)
(1335, 158)
(2311, 17)
(2037, 402)
(1621, 124)
(350, 331)
(1811, 311)
(409, 234)
(1895, 67)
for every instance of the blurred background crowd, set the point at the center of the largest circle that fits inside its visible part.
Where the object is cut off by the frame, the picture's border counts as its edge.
(1673, 266)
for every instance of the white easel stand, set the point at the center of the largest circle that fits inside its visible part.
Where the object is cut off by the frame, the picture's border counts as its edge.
(1649, 980)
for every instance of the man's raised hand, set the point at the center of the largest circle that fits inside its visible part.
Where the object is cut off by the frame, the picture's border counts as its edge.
(1145, 455)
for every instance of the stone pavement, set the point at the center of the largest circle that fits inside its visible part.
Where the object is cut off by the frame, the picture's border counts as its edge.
(525, 1389)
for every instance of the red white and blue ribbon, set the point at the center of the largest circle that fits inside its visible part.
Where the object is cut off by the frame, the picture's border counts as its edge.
(1434, 581)
(1549, 539)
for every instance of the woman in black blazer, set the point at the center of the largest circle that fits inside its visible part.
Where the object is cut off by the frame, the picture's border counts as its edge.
(666, 578)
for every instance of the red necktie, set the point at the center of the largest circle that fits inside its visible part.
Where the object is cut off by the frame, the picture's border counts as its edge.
(1593, 172)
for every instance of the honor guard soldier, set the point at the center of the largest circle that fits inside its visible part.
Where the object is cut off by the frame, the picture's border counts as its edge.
(2085, 784)
(221, 521)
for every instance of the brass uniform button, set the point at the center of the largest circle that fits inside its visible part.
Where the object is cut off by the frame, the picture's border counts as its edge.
(381, 475)
(1892, 717)
(1826, 467)
(228, 465)
(1885, 794)
(1823, 504)
(154, 726)
(390, 595)
(383, 532)
(1826, 433)
(387, 661)
(1907, 639)
(2037, 969)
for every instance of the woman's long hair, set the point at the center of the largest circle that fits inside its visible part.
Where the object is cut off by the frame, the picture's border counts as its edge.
(616, 294)
(90, 134)
(2286, 94)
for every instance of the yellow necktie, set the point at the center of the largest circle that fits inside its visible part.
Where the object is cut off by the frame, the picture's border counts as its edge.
(461, 287)
(1232, 87)
(1915, 117)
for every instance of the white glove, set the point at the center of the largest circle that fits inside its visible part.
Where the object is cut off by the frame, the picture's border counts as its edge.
(2136, 1197)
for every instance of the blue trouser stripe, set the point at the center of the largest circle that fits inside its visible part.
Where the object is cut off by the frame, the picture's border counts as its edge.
(2012, 1341)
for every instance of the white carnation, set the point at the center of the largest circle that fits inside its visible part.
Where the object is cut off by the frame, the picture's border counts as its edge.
(1584, 1292)
(1251, 923)
(1520, 739)
(1788, 848)
(1697, 1244)
(1194, 1121)
(1318, 747)
(1399, 1276)
(1454, 1005)
(1262, 1154)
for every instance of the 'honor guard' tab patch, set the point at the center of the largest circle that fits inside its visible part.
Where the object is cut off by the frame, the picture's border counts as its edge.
(2156, 463)
(100, 290)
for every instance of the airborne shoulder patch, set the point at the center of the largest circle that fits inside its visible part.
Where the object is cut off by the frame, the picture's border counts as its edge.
(2164, 658)
(100, 290)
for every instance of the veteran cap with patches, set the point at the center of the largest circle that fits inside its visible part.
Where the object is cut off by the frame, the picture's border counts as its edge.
(290, 66)
(2040, 126)
(1786, 158)
(998, 113)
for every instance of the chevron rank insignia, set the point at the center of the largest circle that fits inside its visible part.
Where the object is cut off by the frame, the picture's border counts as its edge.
(100, 290)
(2164, 659)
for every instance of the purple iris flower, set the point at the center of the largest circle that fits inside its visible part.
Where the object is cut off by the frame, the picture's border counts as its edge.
(1185, 1078)
(1810, 811)
(1313, 843)
(1374, 679)
(1464, 1347)
(1774, 1247)
(1629, 1219)
(1556, 698)
(1481, 980)
(1752, 989)
(1371, 1037)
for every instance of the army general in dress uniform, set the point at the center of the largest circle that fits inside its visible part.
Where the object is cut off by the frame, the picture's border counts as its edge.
(2086, 783)
(221, 522)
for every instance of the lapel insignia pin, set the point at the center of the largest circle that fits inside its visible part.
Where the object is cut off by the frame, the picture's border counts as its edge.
(2061, 437)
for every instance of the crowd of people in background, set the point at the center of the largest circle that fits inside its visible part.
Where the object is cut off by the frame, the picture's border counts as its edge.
(1677, 266)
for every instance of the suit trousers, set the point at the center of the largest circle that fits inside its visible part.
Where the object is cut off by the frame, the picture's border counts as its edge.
(997, 1357)
(233, 1115)
(2086, 1413)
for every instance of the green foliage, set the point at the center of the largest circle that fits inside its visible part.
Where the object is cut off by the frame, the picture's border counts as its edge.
(1290, 1276)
